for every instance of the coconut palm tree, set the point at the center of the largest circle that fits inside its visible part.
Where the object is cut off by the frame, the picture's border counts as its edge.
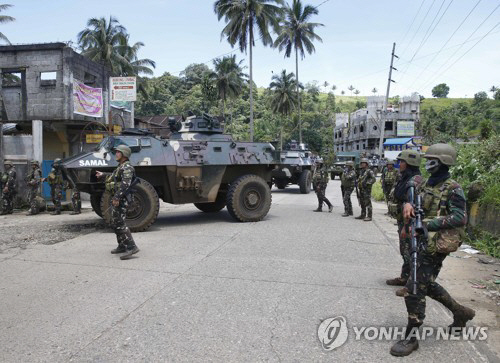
(283, 97)
(351, 88)
(243, 18)
(374, 90)
(334, 87)
(356, 92)
(228, 78)
(5, 19)
(297, 33)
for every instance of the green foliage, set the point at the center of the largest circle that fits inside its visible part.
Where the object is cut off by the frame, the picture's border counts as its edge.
(377, 192)
(485, 242)
(5, 19)
(441, 90)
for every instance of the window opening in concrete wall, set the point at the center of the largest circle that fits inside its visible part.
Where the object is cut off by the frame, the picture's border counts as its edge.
(48, 78)
(11, 79)
(361, 128)
(388, 126)
(357, 147)
(89, 79)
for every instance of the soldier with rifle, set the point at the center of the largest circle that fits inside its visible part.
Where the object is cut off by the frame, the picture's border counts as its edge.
(365, 182)
(443, 205)
(33, 180)
(320, 182)
(119, 184)
(56, 183)
(347, 184)
(9, 187)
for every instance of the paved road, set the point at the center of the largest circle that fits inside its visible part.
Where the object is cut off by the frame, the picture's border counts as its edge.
(206, 288)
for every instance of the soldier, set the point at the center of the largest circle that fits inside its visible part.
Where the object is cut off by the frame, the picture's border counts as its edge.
(9, 188)
(33, 180)
(56, 182)
(445, 217)
(347, 183)
(388, 179)
(118, 184)
(365, 182)
(320, 182)
(409, 167)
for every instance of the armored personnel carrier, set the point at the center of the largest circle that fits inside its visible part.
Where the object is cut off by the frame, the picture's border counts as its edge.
(198, 164)
(296, 167)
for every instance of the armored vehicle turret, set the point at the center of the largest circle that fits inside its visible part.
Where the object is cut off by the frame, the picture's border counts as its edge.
(198, 164)
(296, 167)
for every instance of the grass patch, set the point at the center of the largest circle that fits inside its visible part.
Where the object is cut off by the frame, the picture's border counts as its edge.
(485, 242)
(377, 192)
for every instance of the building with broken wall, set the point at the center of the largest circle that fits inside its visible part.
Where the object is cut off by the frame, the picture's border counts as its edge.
(37, 95)
(360, 130)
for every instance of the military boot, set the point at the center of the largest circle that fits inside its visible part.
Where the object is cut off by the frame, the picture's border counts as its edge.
(74, 213)
(120, 249)
(362, 215)
(410, 343)
(346, 214)
(398, 281)
(460, 318)
(319, 209)
(369, 216)
(56, 212)
(132, 249)
(330, 208)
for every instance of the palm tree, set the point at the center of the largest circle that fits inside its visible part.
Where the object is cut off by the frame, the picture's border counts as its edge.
(350, 88)
(356, 92)
(342, 92)
(228, 78)
(283, 98)
(334, 87)
(242, 18)
(374, 90)
(296, 33)
(5, 19)
(105, 42)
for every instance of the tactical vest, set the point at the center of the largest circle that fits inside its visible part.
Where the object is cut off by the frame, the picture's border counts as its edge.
(364, 176)
(434, 203)
(55, 178)
(320, 176)
(345, 181)
(390, 177)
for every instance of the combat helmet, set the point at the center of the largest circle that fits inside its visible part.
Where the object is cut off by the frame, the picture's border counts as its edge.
(349, 163)
(124, 149)
(445, 153)
(35, 162)
(390, 161)
(8, 162)
(411, 157)
(364, 160)
(57, 162)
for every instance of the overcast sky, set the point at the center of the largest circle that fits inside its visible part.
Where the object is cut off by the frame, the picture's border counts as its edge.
(356, 49)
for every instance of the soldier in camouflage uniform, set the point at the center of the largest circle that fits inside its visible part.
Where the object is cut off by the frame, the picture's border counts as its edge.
(445, 217)
(76, 201)
(347, 183)
(388, 178)
(9, 188)
(320, 182)
(119, 184)
(34, 180)
(56, 183)
(409, 166)
(365, 182)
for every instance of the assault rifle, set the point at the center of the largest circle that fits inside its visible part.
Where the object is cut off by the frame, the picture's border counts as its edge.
(419, 236)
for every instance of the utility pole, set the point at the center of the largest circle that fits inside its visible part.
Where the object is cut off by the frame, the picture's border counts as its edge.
(386, 100)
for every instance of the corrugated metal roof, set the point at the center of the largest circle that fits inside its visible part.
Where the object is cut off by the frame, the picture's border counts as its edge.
(398, 141)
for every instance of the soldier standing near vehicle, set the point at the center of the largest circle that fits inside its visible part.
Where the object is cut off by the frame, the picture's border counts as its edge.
(365, 182)
(118, 184)
(347, 183)
(388, 179)
(76, 201)
(409, 167)
(444, 207)
(9, 188)
(56, 183)
(33, 180)
(320, 182)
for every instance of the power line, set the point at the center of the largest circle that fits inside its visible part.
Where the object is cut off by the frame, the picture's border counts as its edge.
(412, 22)
(451, 36)
(421, 23)
(457, 50)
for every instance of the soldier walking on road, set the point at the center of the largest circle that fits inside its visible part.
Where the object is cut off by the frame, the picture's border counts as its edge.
(320, 182)
(365, 182)
(409, 167)
(34, 180)
(118, 184)
(9, 189)
(347, 183)
(444, 207)
(56, 183)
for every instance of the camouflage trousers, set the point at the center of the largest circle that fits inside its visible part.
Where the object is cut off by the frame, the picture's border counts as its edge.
(8, 202)
(118, 217)
(428, 267)
(404, 250)
(320, 190)
(366, 201)
(56, 196)
(386, 188)
(32, 194)
(346, 196)
(76, 201)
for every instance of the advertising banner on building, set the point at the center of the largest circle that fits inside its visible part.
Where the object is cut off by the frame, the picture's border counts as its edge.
(87, 101)
(123, 88)
(406, 128)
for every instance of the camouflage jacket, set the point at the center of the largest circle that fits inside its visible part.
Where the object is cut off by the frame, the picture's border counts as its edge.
(119, 181)
(320, 176)
(444, 205)
(34, 177)
(366, 179)
(396, 205)
(389, 177)
(10, 181)
(348, 178)
(55, 178)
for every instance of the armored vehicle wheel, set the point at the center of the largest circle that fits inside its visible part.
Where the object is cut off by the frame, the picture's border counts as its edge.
(249, 198)
(143, 210)
(95, 202)
(305, 181)
(280, 183)
(213, 207)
